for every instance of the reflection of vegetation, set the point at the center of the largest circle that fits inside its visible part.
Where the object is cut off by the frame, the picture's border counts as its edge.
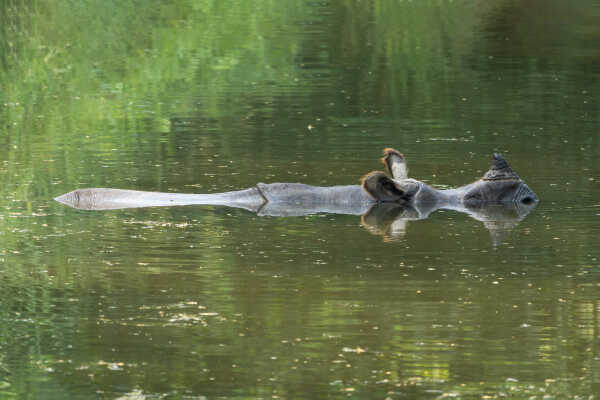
(99, 86)
(137, 53)
(144, 93)
(73, 73)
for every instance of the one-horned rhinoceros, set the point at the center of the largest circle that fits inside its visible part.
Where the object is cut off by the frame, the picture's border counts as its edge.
(499, 185)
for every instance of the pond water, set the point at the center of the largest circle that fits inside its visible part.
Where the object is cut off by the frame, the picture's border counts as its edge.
(205, 302)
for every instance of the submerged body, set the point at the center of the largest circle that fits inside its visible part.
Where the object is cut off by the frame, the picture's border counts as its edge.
(263, 198)
(500, 185)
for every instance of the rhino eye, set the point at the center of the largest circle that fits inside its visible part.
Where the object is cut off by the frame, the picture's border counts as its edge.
(474, 196)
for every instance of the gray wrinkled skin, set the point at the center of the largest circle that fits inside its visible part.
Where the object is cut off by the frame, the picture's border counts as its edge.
(499, 199)
(500, 185)
(265, 199)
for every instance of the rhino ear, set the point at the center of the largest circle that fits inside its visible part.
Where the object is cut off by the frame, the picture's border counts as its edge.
(500, 170)
(395, 163)
(381, 188)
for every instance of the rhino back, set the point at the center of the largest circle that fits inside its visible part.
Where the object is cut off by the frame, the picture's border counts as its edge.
(297, 193)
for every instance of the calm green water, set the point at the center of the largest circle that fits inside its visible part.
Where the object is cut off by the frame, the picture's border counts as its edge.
(213, 95)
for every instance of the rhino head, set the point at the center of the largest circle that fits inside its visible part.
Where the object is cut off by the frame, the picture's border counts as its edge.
(500, 184)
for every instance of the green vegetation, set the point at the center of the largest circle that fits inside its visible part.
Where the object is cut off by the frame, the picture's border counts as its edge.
(210, 95)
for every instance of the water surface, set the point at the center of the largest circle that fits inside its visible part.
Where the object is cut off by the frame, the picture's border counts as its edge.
(210, 302)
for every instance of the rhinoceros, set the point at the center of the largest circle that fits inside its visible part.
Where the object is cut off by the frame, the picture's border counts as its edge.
(499, 185)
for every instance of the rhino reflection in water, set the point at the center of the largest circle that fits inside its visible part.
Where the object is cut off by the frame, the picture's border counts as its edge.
(500, 198)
